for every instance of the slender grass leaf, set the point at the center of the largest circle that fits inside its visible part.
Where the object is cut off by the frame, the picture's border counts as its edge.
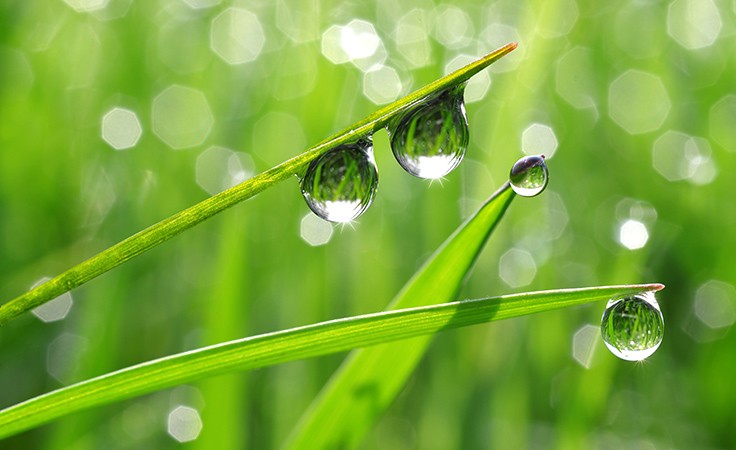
(290, 345)
(183, 220)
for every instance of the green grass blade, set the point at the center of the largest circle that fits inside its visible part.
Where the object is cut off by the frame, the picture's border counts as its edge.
(369, 380)
(183, 220)
(293, 344)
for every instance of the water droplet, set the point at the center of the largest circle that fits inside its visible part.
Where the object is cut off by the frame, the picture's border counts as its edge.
(632, 327)
(430, 139)
(341, 184)
(529, 176)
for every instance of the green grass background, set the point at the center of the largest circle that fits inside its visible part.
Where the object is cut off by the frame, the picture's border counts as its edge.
(65, 194)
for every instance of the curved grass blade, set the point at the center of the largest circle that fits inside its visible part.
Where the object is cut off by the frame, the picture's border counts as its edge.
(293, 344)
(183, 220)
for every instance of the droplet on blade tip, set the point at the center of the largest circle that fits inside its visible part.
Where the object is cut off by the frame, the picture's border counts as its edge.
(632, 327)
(529, 176)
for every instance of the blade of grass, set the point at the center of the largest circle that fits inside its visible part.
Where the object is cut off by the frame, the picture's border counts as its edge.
(293, 344)
(183, 220)
(368, 381)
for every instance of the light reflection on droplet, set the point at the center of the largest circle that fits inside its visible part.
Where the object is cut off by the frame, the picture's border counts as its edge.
(633, 234)
(184, 423)
(538, 139)
(638, 102)
(53, 310)
(181, 117)
(315, 231)
(715, 304)
(694, 24)
(517, 268)
(584, 343)
(477, 87)
(121, 128)
(237, 36)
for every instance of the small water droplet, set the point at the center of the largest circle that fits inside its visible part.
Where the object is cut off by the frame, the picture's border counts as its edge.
(633, 327)
(529, 176)
(341, 184)
(430, 139)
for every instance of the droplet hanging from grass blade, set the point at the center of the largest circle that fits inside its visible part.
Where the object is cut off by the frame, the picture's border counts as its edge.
(341, 184)
(633, 327)
(529, 176)
(430, 139)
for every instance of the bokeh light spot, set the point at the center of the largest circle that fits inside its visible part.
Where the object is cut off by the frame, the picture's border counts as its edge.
(202, 4)
(477, 87)
(638, 102)
(357, 42)
(63, 356)
(517, 268)
(539, 139)
(453, 27)
(237, 36)
(382, 85)
(678, 156)
(219, 168)
(694, 23)
(184, 423)
(315, 231)
(411, 40)
(573, 79)
(121, 128)
(87, 5)
(181, 117)
(721, 122)
(53, 310)
(715, 304)
(633, 234)
(584, 343)
(299, 21)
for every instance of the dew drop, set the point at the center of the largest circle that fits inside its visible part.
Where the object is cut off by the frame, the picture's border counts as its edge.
(341, 184)
(529, 176)
(430, 139)
(633, 327)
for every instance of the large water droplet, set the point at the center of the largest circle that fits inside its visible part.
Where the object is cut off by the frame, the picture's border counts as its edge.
(341, 184)
(632, 327)
(430, 139)
(529, 176)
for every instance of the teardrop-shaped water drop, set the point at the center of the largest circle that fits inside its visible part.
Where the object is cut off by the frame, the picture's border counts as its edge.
(529, 176)
(341, 184)
(430, 139)
(633, 327)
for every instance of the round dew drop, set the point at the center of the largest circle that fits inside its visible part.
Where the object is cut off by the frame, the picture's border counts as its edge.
(340, 185)
(430, 139)
(633, 327)
(529, 176)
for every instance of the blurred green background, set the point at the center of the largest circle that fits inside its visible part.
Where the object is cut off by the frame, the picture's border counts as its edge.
(115, 114)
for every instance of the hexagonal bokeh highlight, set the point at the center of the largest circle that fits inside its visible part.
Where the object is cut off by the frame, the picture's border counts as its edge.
(237, 36)
(87, 5)
(678, 156)
(184, 424)
(121, 128)
(517, 268)
(181, 117)
(64, 354)
(638, 102)
(721, 120)
(219, 168)
(299, 21)
(573, 80)
(202, 4)
(694, 23)
(315, 231)
(357, 42)
(584, 342)
(411, 37)
(715, 304)
(477, 87)
(453, 27)
(53, 310)
(382, 85)
(539, 139)
(633, 234)
(563, 23)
